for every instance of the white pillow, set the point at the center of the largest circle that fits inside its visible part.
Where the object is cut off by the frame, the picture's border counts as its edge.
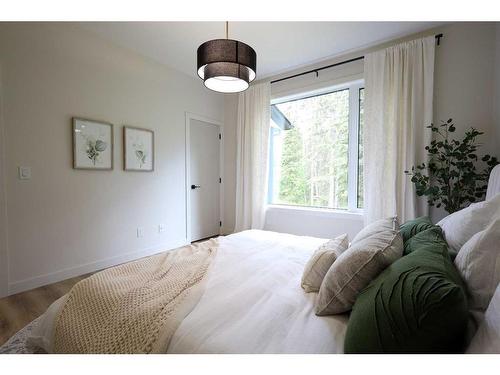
(460, 226)
(321, 261)
(478, 262)
(487, 337)
(369, 254)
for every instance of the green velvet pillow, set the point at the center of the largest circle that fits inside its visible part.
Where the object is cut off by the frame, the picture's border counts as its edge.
(412, 227)
(432, 235)
(417, 305)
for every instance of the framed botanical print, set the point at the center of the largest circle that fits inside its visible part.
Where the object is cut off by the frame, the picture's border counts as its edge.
(138, 149)
(92, 144)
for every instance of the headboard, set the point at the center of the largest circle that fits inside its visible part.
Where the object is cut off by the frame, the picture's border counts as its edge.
(493, 183)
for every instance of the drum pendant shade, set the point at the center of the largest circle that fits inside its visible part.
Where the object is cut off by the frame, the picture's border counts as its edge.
(226, 65)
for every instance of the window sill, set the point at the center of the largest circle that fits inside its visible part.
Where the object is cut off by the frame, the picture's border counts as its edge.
(313, 211)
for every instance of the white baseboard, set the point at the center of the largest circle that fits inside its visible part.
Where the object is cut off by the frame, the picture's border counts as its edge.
(37, 281)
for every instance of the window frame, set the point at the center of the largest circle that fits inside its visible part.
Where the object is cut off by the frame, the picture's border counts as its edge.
(354, 88)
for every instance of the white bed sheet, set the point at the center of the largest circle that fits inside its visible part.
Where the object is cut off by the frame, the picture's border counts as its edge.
(253, 302)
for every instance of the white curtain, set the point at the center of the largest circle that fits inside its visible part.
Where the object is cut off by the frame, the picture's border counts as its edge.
(398, 107)
(251, 159)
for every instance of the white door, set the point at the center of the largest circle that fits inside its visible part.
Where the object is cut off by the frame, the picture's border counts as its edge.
(204, 181)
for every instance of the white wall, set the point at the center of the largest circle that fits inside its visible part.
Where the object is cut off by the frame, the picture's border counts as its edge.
(496, 98)
(463, 78)
(310, 222)
(464, 84)
(65, 222)
(4, 258)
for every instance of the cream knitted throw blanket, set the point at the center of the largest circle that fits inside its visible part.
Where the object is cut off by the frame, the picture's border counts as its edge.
(134, 307)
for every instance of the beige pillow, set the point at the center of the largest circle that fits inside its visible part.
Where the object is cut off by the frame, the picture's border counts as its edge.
(390, 223)
(321, 261)
(379, 245)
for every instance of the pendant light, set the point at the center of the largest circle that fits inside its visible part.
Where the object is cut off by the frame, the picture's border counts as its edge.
(226, 65)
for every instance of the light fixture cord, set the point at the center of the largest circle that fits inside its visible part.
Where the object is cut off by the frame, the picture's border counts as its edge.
(227, 30)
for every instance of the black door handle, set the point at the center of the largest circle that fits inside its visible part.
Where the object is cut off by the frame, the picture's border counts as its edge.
(195, 187)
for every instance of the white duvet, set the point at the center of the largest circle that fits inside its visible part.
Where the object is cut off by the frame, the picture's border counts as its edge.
(253, 302)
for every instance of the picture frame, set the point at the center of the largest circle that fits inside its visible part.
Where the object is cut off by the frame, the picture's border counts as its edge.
(138, 149)
(93, 144)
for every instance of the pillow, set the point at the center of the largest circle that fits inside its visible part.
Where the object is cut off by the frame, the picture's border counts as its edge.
(417, 305)
(478, 262)
(321, 261)
(358, 265)
(487, 337)
(432, 235)
(460, 226)
(413, 227)
(382, 225)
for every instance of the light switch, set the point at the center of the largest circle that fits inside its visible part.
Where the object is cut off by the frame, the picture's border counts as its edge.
(24, 173)
(140, 232)
(161, 228)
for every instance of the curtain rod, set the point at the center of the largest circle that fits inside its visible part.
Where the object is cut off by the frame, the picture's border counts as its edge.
(438, 38)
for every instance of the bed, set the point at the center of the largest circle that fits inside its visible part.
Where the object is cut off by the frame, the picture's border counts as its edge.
(252, 302)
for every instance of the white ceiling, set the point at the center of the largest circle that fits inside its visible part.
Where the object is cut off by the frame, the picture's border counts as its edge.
(280, 46)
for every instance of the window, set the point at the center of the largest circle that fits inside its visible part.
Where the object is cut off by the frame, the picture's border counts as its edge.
(316, 150)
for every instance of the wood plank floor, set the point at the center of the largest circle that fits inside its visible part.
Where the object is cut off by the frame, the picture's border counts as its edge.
(19, 309)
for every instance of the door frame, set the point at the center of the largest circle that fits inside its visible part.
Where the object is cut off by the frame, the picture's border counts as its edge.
(192, 116)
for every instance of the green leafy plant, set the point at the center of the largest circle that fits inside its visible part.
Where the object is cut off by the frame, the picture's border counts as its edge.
(451, 178)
